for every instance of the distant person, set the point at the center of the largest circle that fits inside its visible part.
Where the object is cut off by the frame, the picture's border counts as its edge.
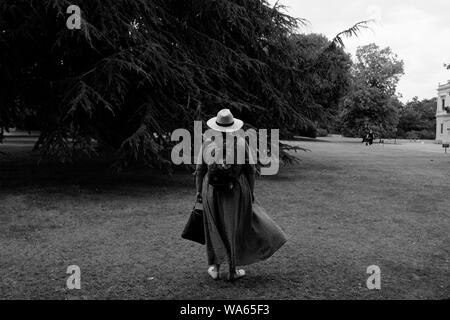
(238, 232)
(369, 138)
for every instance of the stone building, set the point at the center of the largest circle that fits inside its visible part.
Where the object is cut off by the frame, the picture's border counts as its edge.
(443, 114)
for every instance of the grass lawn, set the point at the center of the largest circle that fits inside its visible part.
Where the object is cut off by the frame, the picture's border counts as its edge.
(344, 207)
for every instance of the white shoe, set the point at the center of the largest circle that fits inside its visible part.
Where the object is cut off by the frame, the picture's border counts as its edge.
(213, 271)
(237, 275)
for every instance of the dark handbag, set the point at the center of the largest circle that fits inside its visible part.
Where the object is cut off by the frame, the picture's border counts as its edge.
(221, 178)
(194, 229)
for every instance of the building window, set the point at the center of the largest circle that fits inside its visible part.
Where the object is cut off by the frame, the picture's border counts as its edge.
(443, 103)
(442, 128)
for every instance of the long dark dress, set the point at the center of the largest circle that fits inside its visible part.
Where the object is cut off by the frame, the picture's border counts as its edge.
(237, 231)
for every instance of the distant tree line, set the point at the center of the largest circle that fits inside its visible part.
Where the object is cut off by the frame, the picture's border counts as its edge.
(373, 103)
(418, 119)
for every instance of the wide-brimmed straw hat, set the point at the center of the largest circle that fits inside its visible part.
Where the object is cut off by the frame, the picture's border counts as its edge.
(225, 122)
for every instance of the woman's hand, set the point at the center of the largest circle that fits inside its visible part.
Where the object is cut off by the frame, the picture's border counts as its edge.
(199, 197)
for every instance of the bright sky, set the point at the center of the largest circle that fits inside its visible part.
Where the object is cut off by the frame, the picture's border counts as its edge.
(418, 31)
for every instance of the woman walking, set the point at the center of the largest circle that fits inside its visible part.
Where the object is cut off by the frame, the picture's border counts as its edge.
(238, 232)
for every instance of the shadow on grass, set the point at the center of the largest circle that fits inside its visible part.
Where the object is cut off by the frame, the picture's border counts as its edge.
(306, 139)
(23, 169)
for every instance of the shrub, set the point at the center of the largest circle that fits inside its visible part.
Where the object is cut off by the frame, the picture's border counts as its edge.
(413, 135)
(322, 132)
(309, 132)
(427, 134)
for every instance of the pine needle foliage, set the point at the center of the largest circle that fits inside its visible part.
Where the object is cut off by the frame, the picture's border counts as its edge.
(138, 69)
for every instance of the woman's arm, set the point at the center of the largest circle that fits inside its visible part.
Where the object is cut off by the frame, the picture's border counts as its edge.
(199, 175)
(200, 172)
(251, 182)
(250, 169)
